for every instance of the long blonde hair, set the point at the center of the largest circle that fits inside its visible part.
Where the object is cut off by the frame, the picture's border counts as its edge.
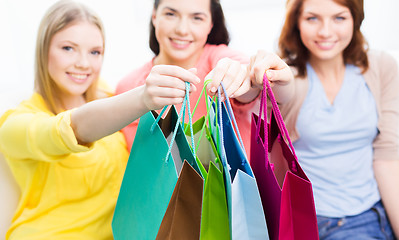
(57, 17)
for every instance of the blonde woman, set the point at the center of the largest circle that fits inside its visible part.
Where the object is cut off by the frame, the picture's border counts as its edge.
(62, 144)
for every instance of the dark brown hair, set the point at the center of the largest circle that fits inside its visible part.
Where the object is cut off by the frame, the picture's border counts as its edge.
(218, 34)
(294, 52)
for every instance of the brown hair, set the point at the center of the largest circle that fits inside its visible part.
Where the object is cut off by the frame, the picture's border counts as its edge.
(218, 34)
(57, 17)
(294, 52)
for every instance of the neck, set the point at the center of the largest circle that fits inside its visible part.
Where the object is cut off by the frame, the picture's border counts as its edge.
(329, 70)
(68, 102)
(187, 63)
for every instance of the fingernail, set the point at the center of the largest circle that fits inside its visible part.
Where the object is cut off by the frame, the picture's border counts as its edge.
(213, 89)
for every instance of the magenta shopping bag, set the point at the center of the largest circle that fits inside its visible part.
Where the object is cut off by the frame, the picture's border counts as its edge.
(285, 190)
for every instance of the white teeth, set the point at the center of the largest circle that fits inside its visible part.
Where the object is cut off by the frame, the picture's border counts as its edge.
(79, 76)
(180, 42)
(326, 44)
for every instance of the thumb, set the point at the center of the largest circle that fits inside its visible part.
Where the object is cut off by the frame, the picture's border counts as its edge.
(209, 85)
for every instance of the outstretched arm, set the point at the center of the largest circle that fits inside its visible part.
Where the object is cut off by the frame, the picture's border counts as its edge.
(165, 85)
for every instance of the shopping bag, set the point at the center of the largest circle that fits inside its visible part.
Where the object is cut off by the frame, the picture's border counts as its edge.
(285, 190)
(156, 158)
(182, 219)
(247, 220)
(205, 147)
(215, 218)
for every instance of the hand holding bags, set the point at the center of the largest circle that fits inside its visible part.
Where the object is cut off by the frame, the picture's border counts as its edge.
(285, 190)
(150, 178)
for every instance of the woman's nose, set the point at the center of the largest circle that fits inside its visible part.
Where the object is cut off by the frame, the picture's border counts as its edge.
(82, 61)
(325, 29)
(182, 26)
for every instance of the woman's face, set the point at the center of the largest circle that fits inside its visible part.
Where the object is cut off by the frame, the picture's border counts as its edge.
(75, 59)
(182, 28)
(326, 28)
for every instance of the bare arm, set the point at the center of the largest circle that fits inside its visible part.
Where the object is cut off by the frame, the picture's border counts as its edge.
(165, 85)
(387, 175)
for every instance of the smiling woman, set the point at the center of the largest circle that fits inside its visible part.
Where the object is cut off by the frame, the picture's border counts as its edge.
(343, 118)
(181, 30)
(193, 34)
(68, 163)
(70, 42)
(74, 62)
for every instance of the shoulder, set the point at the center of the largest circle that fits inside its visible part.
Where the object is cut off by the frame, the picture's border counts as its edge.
(211, 49)
(34, 104)
(135, 78)
(380, 60)
(379, 55)
(383, 69)
(214, 48)
(382, 76)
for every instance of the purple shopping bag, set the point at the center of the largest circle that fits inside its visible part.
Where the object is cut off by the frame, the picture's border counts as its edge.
(285, 190)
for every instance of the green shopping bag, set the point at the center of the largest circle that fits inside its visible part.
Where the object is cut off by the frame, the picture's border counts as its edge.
(215, 218)
(151, 174)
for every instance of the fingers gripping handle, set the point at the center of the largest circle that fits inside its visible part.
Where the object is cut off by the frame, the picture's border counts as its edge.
(279, 119)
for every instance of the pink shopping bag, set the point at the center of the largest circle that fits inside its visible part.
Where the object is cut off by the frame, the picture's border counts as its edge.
(285, 190)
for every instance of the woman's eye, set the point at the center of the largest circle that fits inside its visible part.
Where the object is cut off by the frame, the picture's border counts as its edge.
(311, 18)
(340, 18)
(67, 48)
(95, 52)
(169, 14)
(198, 18)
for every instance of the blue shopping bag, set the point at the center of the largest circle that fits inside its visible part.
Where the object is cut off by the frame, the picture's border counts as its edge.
(247, 220)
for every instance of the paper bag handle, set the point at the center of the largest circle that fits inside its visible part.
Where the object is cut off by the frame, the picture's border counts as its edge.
(280, 122)
(186, 103)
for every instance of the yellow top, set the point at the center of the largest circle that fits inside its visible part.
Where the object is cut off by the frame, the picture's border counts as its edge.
(68, 191)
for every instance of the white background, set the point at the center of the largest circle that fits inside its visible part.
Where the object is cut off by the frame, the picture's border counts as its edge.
(253, 24)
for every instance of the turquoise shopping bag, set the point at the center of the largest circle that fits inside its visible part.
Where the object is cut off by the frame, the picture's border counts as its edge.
(155, 161)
